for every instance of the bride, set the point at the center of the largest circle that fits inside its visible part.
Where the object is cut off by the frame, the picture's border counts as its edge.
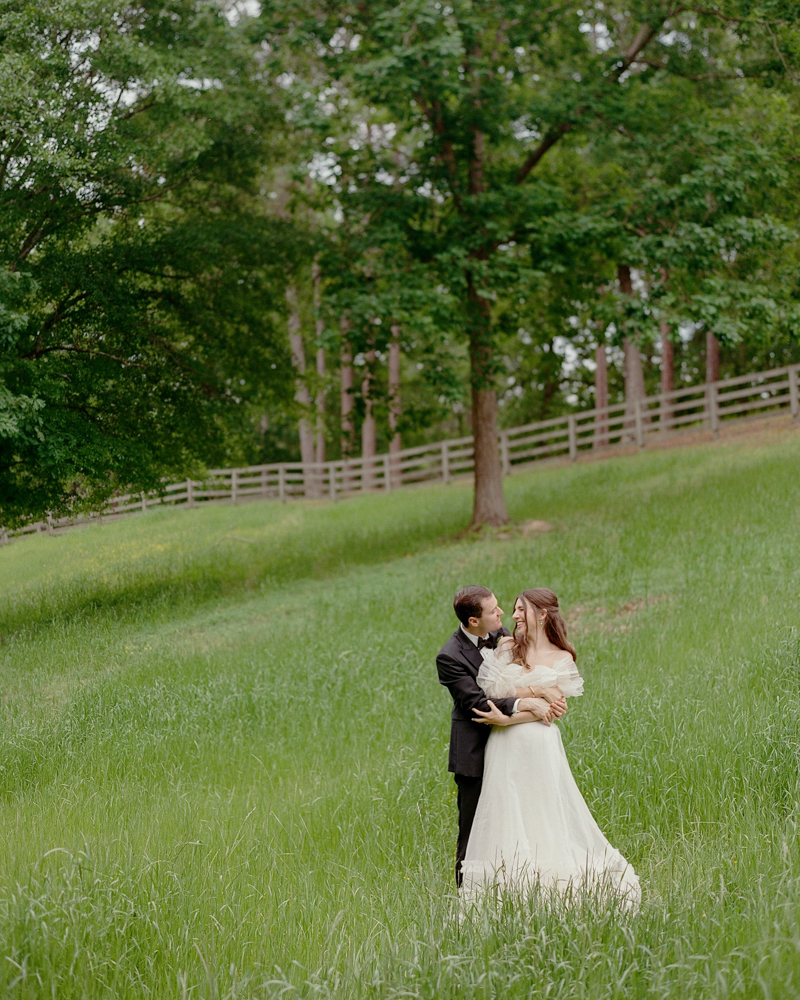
(532, 827)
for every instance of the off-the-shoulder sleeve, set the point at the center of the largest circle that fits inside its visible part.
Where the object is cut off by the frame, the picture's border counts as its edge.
(569, 680)
(498, 674)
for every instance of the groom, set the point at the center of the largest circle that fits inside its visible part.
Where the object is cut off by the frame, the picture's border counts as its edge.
(458, 663)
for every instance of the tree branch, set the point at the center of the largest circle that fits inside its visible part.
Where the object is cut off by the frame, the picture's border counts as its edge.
(687, 76)
(644, 35)
(777, 49)
(31, 240)
(86, 350)
(549, 140)
(137, 111)
(727, 17)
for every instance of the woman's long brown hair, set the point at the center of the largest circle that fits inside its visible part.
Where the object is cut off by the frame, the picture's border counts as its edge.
(555, 628)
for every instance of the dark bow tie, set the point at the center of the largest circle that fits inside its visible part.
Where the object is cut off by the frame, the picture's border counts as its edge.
(487, 643)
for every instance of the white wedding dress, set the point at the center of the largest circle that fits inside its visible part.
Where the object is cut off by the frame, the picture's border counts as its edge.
(532, 827)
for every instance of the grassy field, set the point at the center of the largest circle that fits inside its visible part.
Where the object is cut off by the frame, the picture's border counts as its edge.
(223, 747)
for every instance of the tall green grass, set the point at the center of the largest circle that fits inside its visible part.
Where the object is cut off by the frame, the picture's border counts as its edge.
(223, 747)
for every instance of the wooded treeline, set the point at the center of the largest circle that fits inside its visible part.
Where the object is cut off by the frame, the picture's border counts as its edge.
(240, 233)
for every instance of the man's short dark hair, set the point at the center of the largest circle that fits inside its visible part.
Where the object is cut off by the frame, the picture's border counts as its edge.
(468, 603)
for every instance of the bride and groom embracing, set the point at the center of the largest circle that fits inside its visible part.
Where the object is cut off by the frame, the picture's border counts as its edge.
(522, 821)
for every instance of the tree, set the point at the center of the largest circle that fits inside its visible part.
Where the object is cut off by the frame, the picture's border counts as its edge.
(696, 196)
(133, 273)
(474, 97)
(705, 221)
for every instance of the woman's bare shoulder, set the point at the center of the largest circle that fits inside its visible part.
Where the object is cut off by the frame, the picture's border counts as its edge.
(555, 655)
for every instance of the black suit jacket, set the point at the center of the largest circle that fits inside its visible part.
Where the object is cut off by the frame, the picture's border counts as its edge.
(458, 663)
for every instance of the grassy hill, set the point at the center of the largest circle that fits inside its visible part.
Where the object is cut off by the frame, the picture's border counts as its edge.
(223, 747)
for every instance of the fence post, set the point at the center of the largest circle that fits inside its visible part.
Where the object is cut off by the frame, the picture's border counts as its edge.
(600, 422)
(504, 453)
(332, 479)
(234, 485)
(144, 501)
(367, 472)
(282, 483)
(445, 462)
(264, 481)
(794, 396)
(387, 473)
(713, 408)
(637, 412)
(573, 437)
(190, 492)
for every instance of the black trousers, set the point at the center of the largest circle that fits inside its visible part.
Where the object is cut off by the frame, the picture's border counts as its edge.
(469, 791)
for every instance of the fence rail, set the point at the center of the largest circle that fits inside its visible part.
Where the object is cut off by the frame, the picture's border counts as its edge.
(707, 406)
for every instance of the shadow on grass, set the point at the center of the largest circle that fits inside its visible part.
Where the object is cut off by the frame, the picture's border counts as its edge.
(162, 560)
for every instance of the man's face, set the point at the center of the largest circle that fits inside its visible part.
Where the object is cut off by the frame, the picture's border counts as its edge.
(490, 619)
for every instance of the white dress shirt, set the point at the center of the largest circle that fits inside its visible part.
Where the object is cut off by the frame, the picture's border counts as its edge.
(472, 638)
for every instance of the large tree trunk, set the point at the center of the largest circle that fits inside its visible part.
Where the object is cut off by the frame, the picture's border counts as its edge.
(368, 443)
(601, 395)
(490, 504)
(712, 357)
(667, 375)
(712, 368)
(624, 279)
(634, 385)
(634, 373)
(302, 394)
(395, 443)
(319, 450)
(346, 383)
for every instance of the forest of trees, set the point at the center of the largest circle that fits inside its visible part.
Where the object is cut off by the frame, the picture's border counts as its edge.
(235, 233)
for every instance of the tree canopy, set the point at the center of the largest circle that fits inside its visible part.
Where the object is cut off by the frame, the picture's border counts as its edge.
(136, 281)
(466, 181)
(512, 144)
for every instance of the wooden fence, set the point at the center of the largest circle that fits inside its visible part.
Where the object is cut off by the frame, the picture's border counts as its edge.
(701, 406)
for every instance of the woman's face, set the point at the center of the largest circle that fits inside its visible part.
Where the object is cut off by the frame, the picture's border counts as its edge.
(520, 616)
(527, 617)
